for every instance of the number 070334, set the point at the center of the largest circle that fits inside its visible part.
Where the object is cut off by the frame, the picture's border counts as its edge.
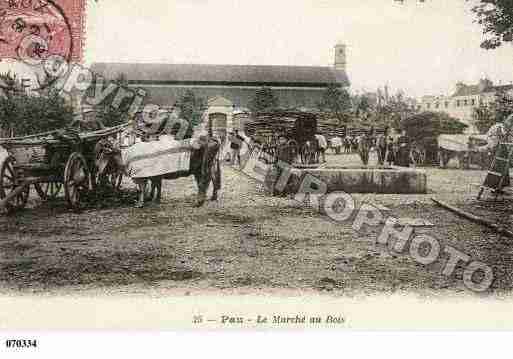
(21, 343)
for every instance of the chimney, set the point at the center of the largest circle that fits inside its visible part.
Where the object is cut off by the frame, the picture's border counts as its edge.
(340, 57)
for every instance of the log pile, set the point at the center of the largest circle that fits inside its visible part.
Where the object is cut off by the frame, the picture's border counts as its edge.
(282, 123)
(291, 124)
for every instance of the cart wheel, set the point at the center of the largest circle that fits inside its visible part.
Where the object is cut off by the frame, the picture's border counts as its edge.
(76, 179)
(48, 190)
(8, 182)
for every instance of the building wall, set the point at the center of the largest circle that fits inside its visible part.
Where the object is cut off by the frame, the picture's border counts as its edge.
(289, 97)
(460, 107)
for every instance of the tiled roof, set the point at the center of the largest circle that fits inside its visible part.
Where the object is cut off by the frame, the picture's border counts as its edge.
(223, 74)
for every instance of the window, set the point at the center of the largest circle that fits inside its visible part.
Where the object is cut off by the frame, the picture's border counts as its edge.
(473, 102)
(437, 105)
(465, 103)
(446, 104)
(428, 105)
(458, 102)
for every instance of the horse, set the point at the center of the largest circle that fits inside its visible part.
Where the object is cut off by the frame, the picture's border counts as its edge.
(204, 166)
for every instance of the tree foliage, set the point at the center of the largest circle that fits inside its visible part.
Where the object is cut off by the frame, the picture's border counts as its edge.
(191, 109)
(107, 112)
(264, 100)
(26, 113)
(485, 116)
(496, 18)
(337, 102)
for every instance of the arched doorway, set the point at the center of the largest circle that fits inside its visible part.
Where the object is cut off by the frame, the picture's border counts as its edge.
(218, 122)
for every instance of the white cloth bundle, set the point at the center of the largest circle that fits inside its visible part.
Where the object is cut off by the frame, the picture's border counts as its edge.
(156, 158)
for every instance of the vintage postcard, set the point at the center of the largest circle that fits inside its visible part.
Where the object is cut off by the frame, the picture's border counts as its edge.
(222, 164)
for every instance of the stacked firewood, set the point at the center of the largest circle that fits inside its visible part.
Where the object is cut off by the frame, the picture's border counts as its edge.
(265, 125)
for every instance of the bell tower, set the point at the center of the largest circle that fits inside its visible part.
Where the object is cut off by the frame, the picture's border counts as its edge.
(340, 56)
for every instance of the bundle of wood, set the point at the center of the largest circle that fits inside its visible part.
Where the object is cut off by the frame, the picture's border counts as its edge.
(290, 124)
(261, 126)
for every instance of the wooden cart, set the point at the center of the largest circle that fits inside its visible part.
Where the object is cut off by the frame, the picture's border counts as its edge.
(297, 129)
(52, 161)
(464, 147)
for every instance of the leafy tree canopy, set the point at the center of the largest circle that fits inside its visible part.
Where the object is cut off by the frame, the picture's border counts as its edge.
(191, 109)
(336, 101)
(485, 116)
(496, 17)
(264, 100)
(27, 113)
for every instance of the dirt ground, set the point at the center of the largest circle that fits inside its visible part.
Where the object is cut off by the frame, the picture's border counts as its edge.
(245, 241)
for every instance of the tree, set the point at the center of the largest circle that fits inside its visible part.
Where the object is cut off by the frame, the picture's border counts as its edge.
(264, 99)
(502, 106)
(107, 114)
(392, 111)
(191, 109)
(484, 118)
(363, 106)
(26, 113)
(496, 17)
(337, 102)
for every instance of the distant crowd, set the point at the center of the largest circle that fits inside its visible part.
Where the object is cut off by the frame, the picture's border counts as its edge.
(397, 150)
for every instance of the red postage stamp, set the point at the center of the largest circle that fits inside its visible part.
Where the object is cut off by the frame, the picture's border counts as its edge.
(35, 29)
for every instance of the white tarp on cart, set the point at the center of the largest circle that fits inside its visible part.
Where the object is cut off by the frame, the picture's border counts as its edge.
(155, 158)
(457, 143)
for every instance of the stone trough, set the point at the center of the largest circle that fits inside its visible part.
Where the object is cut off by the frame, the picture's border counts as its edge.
(400, 180)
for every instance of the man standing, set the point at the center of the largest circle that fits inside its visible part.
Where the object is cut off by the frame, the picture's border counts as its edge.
(322, 145)
(336, 143)
(381, 144)
(236, 142)
(403, 151)
(364, 146)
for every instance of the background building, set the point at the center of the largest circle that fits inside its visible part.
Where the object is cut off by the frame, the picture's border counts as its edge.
(465, 99)
(230, 87)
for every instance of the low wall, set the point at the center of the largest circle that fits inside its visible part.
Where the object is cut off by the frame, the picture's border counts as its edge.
(398, 180)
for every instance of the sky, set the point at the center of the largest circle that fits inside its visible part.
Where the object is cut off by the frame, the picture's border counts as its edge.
(420, 48)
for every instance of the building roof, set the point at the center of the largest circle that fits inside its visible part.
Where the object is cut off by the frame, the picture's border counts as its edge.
(476, 90)
(501, 88)
(467, 90)
(248, 75)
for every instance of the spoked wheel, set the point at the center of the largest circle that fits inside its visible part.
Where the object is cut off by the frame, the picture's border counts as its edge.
(76, 179)
(48, 190)
(9, 181)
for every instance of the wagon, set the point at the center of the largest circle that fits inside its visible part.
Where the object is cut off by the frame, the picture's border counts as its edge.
(288, 136)
(52, 161)
(465, 148)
